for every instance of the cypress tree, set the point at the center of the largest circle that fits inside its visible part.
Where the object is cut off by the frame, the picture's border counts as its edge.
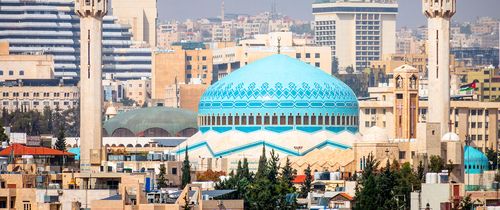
(262, 168)
(186, 170)
(307, 185)
(3, 135)
(61, 139)
(162, 181)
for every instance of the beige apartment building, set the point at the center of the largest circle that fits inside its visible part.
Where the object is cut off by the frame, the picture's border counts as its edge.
(140, 15)
(228, 59)
(389, 62)
(184, 96)
(13, 67)
(38, 94)
(138, 90)
(476, 120)
(180, 65)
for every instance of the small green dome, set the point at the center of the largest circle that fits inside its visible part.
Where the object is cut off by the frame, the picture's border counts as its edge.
(152, 122)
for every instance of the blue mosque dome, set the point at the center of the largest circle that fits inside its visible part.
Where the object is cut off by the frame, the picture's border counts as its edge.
(279, 93)
(475, 162)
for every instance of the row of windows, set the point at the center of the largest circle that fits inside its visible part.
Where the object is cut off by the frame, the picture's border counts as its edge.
(11, 73)
(308, 55)
(329, 22)
(37, 103)
(279, 120)
(38, 94)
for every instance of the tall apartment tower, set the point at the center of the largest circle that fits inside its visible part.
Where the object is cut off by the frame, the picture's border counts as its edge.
(358, 31)
(439, 13)
(91, 13)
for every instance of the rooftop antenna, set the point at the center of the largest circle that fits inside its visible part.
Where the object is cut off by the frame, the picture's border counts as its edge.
(222, 15)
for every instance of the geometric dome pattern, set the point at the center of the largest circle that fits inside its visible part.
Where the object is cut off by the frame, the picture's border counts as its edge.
(279, 85)
(278, 81)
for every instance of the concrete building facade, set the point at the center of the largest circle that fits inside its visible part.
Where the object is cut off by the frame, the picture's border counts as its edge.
(34, 66)
(357, 31)
(141, 17)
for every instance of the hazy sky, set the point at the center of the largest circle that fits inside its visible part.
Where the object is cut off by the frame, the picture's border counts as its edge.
(409, 10)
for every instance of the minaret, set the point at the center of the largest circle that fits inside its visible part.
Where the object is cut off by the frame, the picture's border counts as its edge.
(91, 13)
(439, 13)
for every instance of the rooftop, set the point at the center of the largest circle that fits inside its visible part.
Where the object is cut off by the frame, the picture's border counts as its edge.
(19, 150)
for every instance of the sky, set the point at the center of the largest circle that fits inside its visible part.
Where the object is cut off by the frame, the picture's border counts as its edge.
(410, 13)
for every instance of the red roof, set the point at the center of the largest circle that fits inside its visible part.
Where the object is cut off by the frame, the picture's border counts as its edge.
(345, 195)
(299, 179)
(24, 150)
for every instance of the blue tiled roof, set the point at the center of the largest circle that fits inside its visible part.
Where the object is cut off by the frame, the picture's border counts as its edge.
(279, 84)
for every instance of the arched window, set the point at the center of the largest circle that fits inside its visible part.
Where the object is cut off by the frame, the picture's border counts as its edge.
(251, 120)
(343, 120)
(282, 119)
(337, 121)
(236, 120)
(266, 119)
(298, 120)
(327, 120)
(243, 120)
(213, 121)
(138, 145)
(306, 120)
(224, 119)
(313, 120)
(274, 119)
(320, 120)
(290, 119)
(259, 119)
(230, 120)
(218, 120)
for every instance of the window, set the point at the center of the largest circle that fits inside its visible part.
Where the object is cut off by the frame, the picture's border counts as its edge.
(317, 55)
(1, 72)
(204, 58)
(21, 73)
(5, 94)
(26, 94)
(189, 58)
(298, 55)
(367, 124)
(367, 111)
(317, 64)
(473, 125)
(204, 67)
(402, 155)
(308, 55)
(174, 171)
(189, 67)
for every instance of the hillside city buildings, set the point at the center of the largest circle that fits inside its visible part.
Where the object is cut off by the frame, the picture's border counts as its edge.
(156, 94)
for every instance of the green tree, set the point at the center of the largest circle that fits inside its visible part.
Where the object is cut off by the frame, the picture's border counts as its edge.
(262, 168)
(492, 157)
(307, 185)
(186, 170)
(3, 135)
(288, 174)
(366, 187)
(436, 164)
(162, 180)
(61, 140)
(385, 187)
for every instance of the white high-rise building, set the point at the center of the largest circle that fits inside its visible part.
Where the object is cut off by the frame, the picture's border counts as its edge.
(358, 31)
(439, 14)
(91, 14)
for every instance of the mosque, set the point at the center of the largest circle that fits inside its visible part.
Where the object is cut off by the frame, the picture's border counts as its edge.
(300, 112)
